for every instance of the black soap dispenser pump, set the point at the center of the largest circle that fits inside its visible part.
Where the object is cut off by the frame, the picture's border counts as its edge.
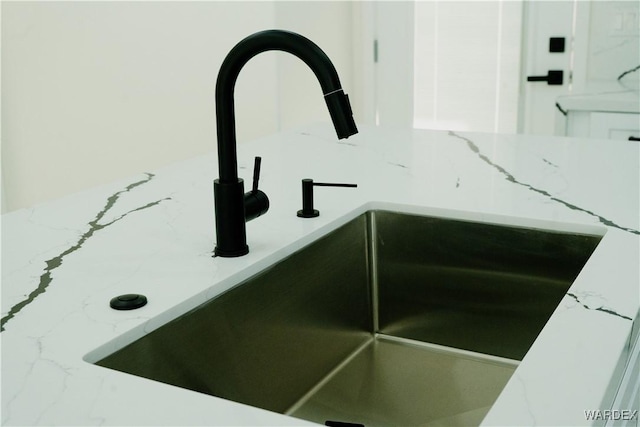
(307, 210)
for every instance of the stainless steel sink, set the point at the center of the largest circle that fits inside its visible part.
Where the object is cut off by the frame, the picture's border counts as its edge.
(391, 319)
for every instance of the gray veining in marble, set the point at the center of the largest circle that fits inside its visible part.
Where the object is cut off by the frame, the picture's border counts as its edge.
(602, 309)
(512, 179)
(94, 225)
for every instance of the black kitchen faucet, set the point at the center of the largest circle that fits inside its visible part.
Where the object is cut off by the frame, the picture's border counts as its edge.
(233, 206)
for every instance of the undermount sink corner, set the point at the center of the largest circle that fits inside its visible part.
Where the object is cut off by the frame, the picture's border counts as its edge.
(390, 319)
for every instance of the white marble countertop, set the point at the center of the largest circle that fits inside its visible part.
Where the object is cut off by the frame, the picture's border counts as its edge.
(154, 234)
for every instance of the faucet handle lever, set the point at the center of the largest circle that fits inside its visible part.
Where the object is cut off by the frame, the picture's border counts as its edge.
(256, 202)
(256, 173)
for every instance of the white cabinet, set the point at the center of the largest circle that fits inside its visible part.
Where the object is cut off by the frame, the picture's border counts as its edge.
(603, 114)
(596, 124)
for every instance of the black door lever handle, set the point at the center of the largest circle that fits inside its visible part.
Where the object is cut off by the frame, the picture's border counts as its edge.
(553, 78)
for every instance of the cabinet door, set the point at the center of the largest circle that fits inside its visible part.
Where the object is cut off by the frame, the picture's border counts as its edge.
(619, 126)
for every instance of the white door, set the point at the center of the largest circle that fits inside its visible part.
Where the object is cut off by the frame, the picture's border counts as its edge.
(548, 28)
(460, 65)
(467, 65)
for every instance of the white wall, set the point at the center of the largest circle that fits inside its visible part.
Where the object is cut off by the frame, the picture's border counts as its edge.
(328, 24)
(95, 91)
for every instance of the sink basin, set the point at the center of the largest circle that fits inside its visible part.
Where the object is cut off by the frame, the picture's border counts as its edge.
(390, 319)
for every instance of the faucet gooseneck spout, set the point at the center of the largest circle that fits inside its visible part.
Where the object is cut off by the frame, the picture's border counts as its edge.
(233, 207)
